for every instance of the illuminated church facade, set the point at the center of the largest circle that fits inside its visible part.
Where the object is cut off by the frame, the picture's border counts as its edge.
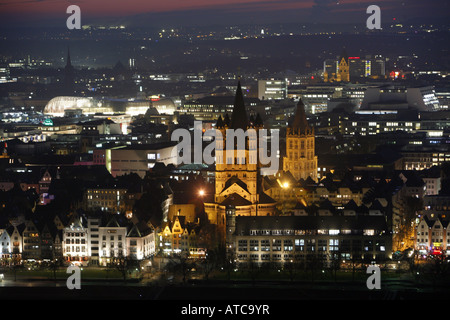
(300, 159)
(237, 176)
(239, 185)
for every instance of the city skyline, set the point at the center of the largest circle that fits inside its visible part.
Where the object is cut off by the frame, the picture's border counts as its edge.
(128, 151)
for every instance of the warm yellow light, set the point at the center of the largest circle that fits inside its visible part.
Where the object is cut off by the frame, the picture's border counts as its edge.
(285, 185)
(201, 193)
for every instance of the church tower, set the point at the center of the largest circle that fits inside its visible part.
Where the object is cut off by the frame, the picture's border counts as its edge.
(237, 176)
(241, 166)
(300, 158)
(343, 68)
(238, 183)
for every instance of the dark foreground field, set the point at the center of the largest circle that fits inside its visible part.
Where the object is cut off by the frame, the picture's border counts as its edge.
(219, 291)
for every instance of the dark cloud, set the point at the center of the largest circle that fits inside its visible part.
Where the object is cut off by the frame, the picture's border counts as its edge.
(321, 7)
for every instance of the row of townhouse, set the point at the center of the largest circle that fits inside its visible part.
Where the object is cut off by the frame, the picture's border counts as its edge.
(91, 240)
(179, 237)
(29, 241)
(432, 235)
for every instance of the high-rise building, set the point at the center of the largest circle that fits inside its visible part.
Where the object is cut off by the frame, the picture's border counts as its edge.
(354, 68)
(358, 68)
(272, 89)
(329, 69)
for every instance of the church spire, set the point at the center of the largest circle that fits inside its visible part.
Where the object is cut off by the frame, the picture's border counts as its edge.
(300, 122)
(239, 115)
(69, 82)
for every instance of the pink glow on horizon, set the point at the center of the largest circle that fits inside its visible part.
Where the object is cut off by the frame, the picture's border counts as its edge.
(129, 7)
(43, 9)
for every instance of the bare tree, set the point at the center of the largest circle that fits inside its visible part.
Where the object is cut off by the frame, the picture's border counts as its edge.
(335, 259)
(315, 263)
(436, 268)
(181, 263)
(54, 266)
(292, 267)
(16, 264)
(253, 269)
(413, 265)
(355, 261)
(124, 265)
(209, 263)
(226, 259)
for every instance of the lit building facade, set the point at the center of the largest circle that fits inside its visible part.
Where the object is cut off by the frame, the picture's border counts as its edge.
(176, 237)
(141, 242)
(432, 235)
(237, 175)
(112, 235)
(106, 199)
(6, 245)
(287, 239)
(354, 69)
(316, 98)
(75, 242)
(300, 159)
(209, 108)
(136, 158)
(59, 106)
(390, 97)
(272, 89)
(424, 159)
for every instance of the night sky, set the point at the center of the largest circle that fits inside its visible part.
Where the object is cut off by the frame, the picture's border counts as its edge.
(14, 13)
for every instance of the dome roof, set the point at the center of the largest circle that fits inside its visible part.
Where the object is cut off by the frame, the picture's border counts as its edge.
(58, 105)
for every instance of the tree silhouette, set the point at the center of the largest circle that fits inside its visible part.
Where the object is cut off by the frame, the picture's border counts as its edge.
(181, 263)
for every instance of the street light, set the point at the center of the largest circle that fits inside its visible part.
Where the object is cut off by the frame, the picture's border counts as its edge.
(201, 193)
(285, 186)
